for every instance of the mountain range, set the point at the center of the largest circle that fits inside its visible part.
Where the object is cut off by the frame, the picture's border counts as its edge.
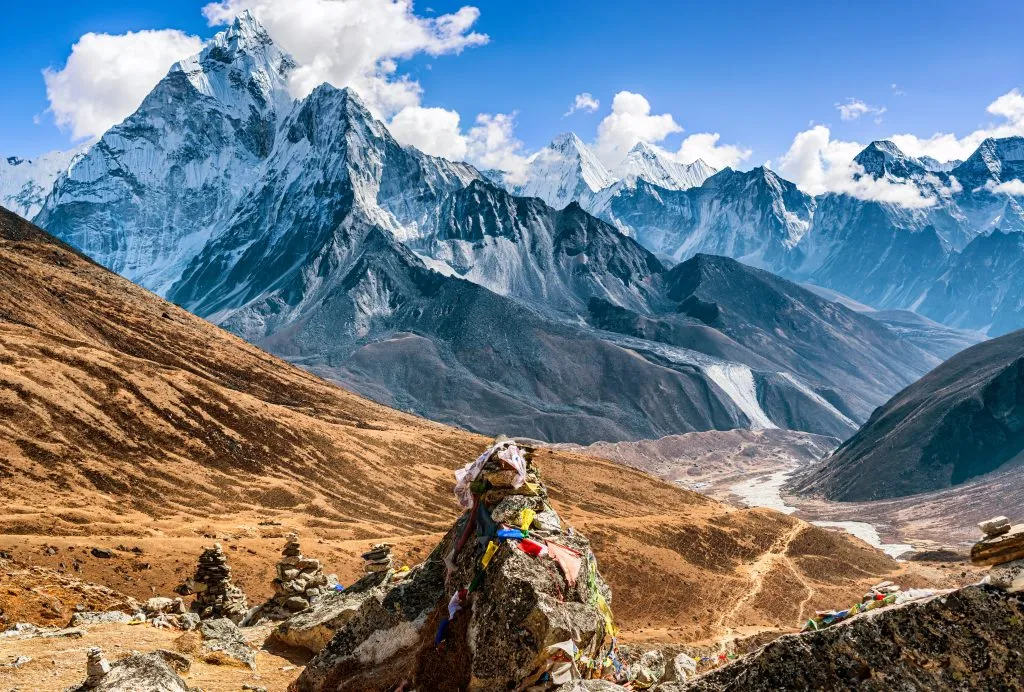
(305, 227)
(884, 254)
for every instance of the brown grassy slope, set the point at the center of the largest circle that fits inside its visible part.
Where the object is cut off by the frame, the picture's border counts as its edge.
(124, 416)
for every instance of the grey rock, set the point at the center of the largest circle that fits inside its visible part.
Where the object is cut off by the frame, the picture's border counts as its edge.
(649, 670)
(88, 617)
(190, 621)
(222, 635)
(996, 526)
(970, 639)
(1008, 576)
(179, 662)
(139, 673)
(589, 686)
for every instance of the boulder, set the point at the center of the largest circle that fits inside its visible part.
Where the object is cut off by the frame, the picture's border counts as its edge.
(222, 638)
(138, 673)
(996, 550)
(970, 639)
(159, 604)
(88, 617)
(1008, 576)
(649, 670)
(312, 629)
(681, 669)
(589, 686)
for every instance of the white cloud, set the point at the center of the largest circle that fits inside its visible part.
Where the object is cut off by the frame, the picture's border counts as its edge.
(948, 147)
(106, 77)
(819, 164)
(854, 108)
(1014, 188)
(630, 122)
(583, 102)
(704, 145)
(491, 143)
(896, 90)
(435, 131)
(357, 43)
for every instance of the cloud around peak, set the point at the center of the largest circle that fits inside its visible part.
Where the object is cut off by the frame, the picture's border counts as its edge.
(107, 76)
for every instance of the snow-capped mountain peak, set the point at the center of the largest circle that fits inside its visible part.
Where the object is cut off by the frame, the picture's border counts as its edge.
(242, 54)
(564, 171)
(883, 157)
(649, 163)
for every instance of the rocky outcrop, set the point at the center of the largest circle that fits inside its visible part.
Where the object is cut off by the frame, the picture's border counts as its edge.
(506, 599)
(136, 673)
(970, 639)
(1000, 548)
(313, 628)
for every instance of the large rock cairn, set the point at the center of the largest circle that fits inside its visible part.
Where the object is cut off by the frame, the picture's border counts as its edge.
(507, 600)
(1003, 548)
(300, 582)
(216, 596)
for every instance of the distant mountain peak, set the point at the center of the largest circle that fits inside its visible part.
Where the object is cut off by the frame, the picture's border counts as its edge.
(647, 162)
(883, 157)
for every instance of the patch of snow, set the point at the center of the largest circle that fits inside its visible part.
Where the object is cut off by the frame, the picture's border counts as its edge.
(867, 533)
(737, 381)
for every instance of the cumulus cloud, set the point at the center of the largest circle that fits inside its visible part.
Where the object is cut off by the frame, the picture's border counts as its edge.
(705, 146)
(1014, 188)
(854, 108)
(357, 43)
(819, 164)
(491, 143)
(435, 131)
(630, 122)
(106, 77)
(583, 102)
(947, 146)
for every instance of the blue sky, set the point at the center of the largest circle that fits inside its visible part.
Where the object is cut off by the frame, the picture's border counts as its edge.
(756, 73)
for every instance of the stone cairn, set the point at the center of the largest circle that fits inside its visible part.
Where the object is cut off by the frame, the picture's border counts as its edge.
(96, 667)
(378, 558)
(299, 583)
(1003, 549)
(216, 596)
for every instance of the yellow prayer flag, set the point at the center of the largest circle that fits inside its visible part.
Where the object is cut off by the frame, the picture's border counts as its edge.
(492, 548)
(526, 518)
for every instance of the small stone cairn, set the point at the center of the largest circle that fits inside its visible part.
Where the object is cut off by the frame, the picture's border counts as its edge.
(216, 596)
(1003, 549)
(378, 558)
(96, 667)
(300, 582)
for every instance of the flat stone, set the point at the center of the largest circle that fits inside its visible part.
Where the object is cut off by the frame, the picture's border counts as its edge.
(159, 604)
(296, 604)
(995, 526)
(1000, 549)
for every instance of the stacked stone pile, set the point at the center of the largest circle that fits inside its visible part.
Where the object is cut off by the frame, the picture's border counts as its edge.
(216, 596)
(378, 558)
(1003, 548)
(299, 584)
